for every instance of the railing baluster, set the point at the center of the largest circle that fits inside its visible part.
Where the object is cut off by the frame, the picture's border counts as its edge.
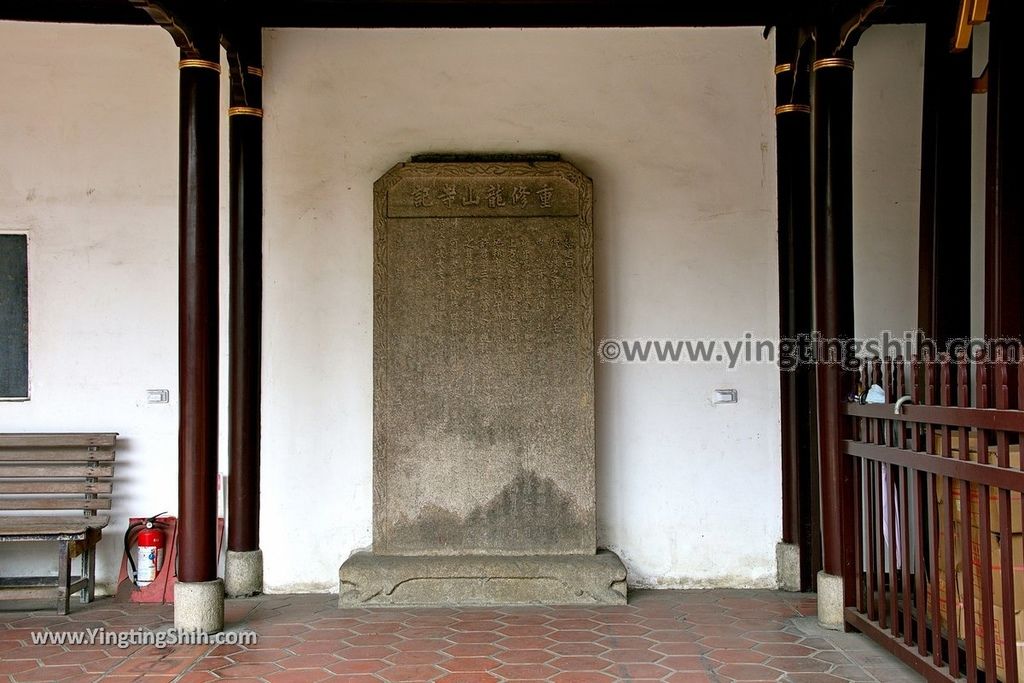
(879, 541)
(890, 498)
(858, 536)
(950, 570)
(1007, 566)
(966, 551)
(984, 562)
(904, 531)
(872, 576)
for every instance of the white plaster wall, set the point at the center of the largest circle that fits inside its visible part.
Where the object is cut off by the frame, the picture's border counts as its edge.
(88, 167)
(674, 126)
(888, 91)
(676, 129)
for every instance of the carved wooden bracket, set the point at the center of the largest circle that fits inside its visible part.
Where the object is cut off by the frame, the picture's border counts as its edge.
(185, 31)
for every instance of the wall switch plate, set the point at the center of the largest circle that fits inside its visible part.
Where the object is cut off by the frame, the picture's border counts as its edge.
(158, 396)
(724, 396)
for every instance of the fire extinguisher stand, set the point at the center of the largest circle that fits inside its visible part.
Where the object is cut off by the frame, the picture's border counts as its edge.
(161, 589)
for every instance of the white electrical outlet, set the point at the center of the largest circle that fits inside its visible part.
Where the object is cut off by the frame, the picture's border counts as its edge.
(158, 396)
(724, 396)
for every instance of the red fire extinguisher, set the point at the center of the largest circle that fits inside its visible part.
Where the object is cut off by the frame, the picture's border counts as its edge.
(149, 542)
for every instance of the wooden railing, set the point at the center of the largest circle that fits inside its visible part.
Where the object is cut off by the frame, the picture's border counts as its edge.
(937, 550)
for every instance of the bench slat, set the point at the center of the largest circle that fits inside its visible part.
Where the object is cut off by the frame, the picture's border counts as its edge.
(36, 525)
(57, 470)
(54, 503)
(36, 587)
(55, 487)
(51, 455)
(56, 440)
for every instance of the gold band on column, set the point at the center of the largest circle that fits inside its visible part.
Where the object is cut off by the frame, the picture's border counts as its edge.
(199, 64)
(245, 111)
(254, 71)
(783, 68)
(832, 63)
(787, 108)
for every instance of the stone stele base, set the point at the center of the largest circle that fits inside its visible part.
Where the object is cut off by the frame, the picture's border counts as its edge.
(830, 601)
(243, 573)
(787, 557)
(482, 580)
(199, 606)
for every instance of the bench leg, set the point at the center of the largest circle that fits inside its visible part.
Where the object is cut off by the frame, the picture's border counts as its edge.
(88, 593)
(63, 578)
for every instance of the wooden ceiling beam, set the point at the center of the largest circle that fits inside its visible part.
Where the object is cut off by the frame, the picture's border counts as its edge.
(456, 13)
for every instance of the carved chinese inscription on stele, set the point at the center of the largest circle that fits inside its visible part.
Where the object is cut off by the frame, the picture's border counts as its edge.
(483, 360)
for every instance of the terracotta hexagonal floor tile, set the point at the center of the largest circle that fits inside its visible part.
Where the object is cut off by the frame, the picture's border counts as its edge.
(521, 672)
(74, 657)
(316, 661)
(527, 643)
(467, 664)
(685, 663)
(575, 636)
(737, 656)
(690, 677)
(680, 648)
(248, 656)
(373, 639)
(376, 627)
(411, 657)
(244, 670)
(637, 671)
(748, 672)
(785, 649)
(622, 629)
(582, 677)
(299, 676)
(415, 674)
(426, 632)
(726, 642)
(475, 637)
(680, 636)
(524, 656)
(631, 656)
(471, 677)
(472, 650)
(477, 625)
(525, 618)
(13, 666)
(771, 637)
(357, 666)
(422, 644)
(365, 652)
(626, 642)
(517, 630)
(798, 664)
(581, 663)
(578, 648)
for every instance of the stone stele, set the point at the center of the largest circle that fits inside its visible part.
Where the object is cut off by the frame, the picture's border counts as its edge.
(483, 390)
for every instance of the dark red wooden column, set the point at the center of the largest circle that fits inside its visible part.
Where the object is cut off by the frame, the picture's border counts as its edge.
(793, 135)
(1004, 224)
(246, 299)
(944, 289)
(832, 215)
(198, 309)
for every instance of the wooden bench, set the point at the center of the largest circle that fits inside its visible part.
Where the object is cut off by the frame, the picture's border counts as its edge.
(45, 479)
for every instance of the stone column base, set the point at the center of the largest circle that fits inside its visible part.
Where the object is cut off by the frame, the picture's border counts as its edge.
(243, 573)
(482, 580)
(199, 606)
(787, 558)
(830, 601)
